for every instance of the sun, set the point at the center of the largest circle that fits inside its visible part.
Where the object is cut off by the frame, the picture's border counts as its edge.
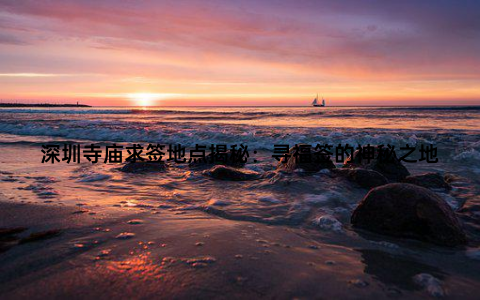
(144, 99)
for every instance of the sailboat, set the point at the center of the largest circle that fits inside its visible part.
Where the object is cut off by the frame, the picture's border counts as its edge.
(316, 104)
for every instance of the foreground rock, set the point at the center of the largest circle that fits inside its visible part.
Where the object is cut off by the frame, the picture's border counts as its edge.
(294, 163)
(392, 169)
(232, 174)
(363, 177)
(429, 180)
(407, 210)
(144, 167)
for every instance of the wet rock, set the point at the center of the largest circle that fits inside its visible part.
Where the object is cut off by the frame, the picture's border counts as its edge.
(228, 173)
(293, 163)
(363, 177)
(429, 180)
(39, 236)
(407, 210)
(392, 169)
(144, 167)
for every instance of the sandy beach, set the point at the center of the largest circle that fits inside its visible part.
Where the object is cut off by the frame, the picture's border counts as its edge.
(195, 255)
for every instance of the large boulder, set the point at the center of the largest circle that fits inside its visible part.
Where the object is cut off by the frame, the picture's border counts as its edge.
(392, 169)
(233, 174)
(407, 210)
(363, 177)
(293, 163)
(143, 167)
(429, 180)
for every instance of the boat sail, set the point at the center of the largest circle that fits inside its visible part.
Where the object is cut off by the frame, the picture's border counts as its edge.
(316, 104)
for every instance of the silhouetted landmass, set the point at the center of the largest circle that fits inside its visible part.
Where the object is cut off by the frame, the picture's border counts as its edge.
(41, 105)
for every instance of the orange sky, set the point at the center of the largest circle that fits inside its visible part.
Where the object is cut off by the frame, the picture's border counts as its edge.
(242, 53)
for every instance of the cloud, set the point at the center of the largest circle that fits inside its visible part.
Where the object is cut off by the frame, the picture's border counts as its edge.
(297, 42)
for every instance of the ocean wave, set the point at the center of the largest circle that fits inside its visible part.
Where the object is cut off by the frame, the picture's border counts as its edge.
(361, 112)
(189, 134)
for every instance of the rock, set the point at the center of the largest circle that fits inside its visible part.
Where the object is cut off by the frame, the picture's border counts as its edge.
(144, 167)
(392, 169)
(429, 180)
(228, 173)
(407, 210)
(293, 163)
(363, 177)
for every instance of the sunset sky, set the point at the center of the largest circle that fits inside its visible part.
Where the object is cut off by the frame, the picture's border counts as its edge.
(240, 52)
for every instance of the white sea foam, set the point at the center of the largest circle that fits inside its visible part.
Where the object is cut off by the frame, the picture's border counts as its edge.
(328, 223)
(431, 284)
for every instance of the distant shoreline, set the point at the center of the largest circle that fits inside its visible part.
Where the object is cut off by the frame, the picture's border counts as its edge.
(41, 105)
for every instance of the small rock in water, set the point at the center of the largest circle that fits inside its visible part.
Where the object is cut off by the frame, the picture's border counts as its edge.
(199, 244)
(392, 168)
(327, 222)
(135, 222)
(125, 235)
(330, 262)
(431, 284)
